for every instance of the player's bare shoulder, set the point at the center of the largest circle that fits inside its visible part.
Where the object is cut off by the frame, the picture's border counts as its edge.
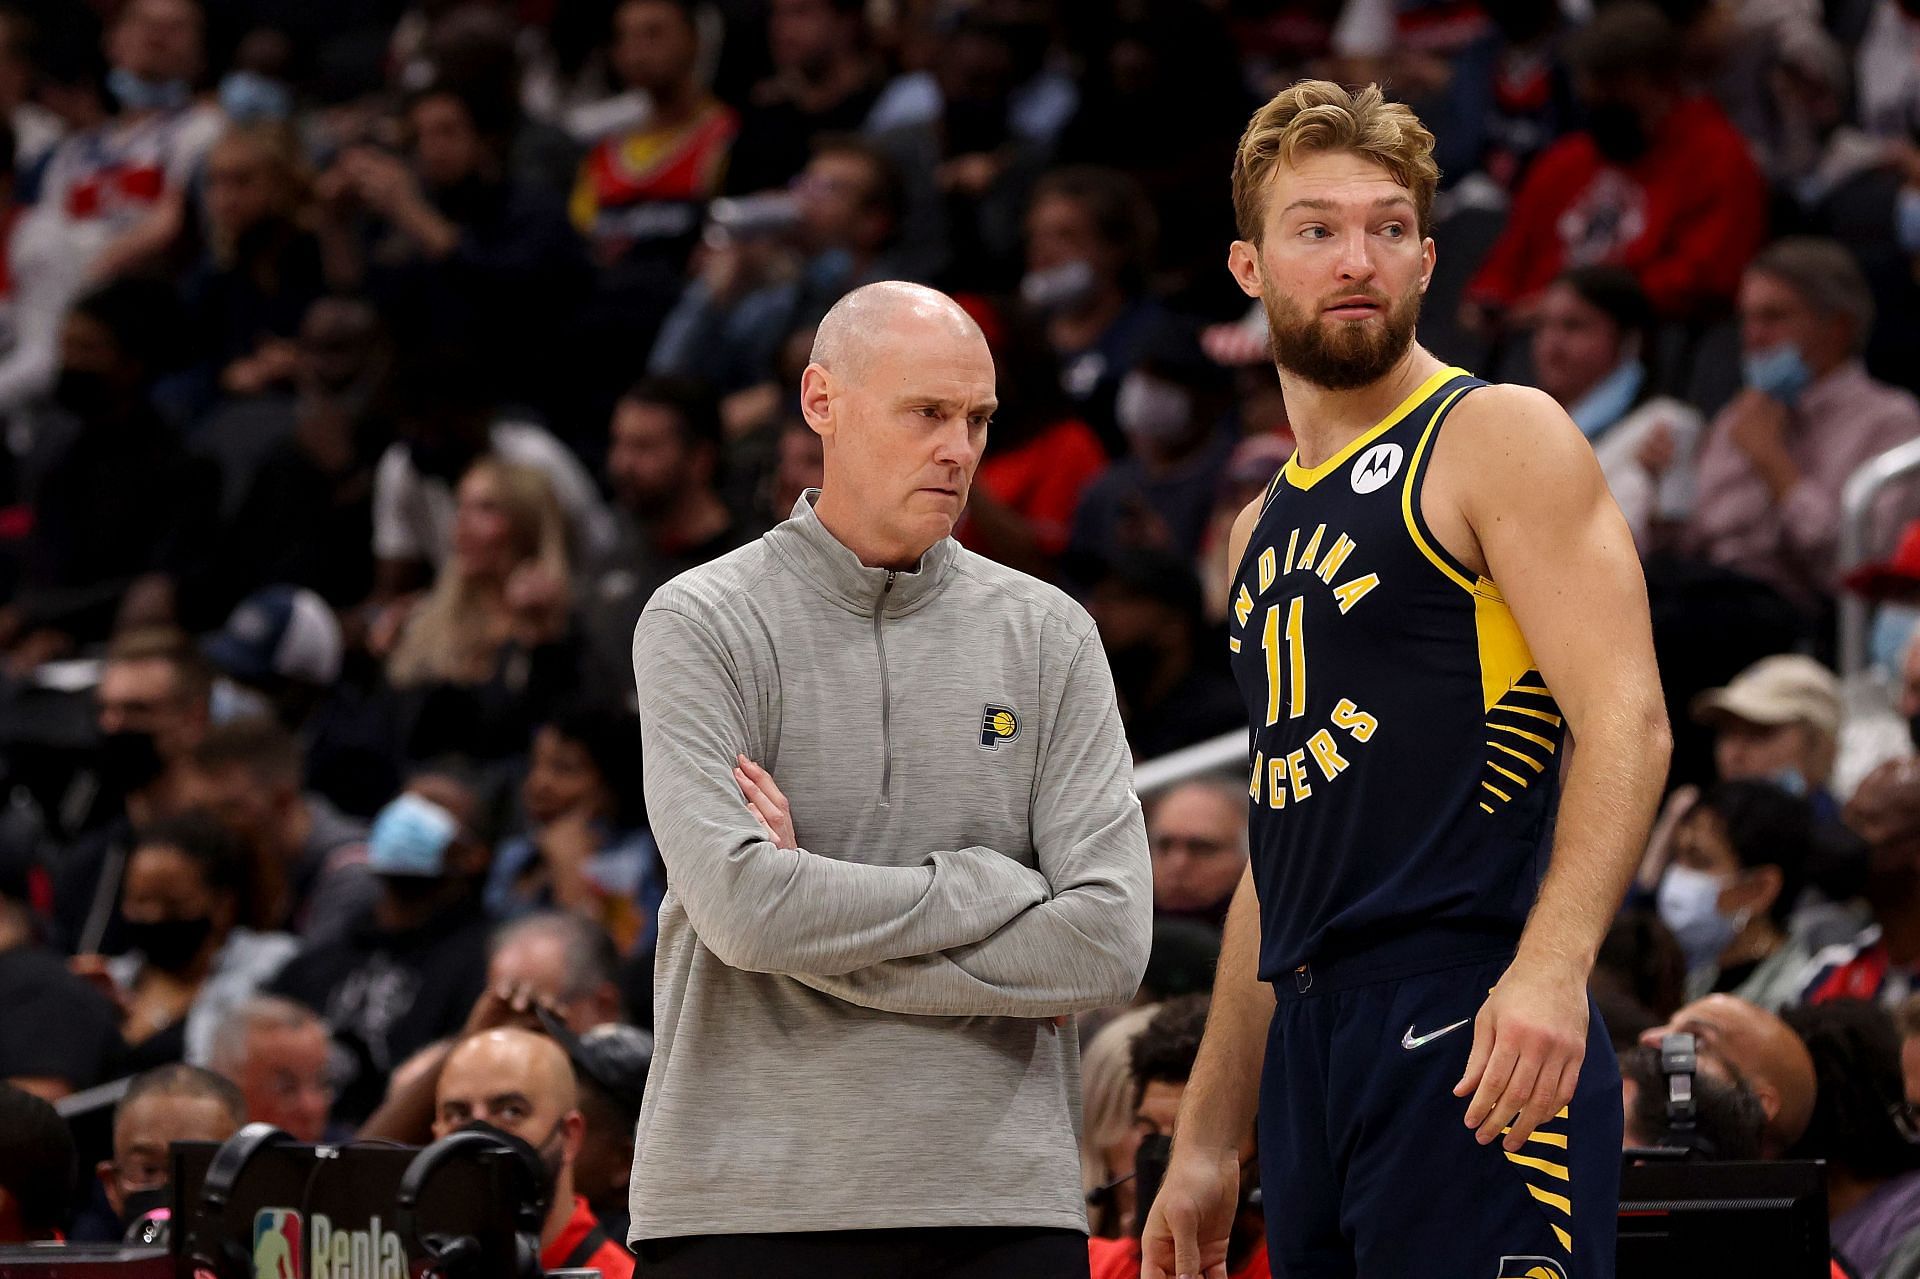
(1507, 443)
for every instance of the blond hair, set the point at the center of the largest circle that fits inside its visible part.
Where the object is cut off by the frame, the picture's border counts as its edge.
(457, 632)
(1107, 1093)
(1318, 115)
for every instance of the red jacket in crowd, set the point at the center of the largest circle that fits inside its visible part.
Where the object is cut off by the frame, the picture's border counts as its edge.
(1685, 217)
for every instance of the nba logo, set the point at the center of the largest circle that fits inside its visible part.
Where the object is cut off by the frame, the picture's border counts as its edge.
(276, 1244)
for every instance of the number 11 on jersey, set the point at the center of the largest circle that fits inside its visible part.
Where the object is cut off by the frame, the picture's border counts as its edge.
(1296, 660)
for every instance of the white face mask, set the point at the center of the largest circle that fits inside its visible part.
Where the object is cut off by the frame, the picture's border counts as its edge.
(1689, 905)
(1152, 411)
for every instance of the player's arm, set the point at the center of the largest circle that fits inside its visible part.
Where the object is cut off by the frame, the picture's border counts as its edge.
(1561, 553)
(1188, 1227)
(765, 908)
(1086, 945)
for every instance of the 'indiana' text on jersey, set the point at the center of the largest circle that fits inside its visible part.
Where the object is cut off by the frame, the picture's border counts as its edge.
(1405, 762)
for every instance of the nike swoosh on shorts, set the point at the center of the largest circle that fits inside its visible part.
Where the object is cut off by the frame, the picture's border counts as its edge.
(1410, 1041)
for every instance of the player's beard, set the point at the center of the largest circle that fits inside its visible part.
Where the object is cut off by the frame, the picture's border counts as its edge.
(1340, 355)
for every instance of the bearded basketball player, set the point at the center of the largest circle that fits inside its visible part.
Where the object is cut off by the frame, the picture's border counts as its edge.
(1433, 603)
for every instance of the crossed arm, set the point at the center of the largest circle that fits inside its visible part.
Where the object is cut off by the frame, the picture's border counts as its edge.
(968, 932)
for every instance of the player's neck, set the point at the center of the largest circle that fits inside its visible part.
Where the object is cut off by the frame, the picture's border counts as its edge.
(1325, 421)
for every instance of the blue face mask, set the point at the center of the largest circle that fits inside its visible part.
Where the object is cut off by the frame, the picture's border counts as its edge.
(247, 96)
(138, 94)
(1778, 371)
(1791, 781)
(410, 837)
(1689, 904)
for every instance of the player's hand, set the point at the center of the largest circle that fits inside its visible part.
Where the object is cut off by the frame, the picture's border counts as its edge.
(766, 802)
(1528, 1043)
(1191, 1220)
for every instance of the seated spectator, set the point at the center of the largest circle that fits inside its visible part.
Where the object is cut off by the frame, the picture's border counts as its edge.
(490, 648)
(825, 80)
(1880, 964)
(610, 1062)
(1885, 71)
(641, 193)
(306, 517)
(560, 958)
(409, 970)
(453, 250)
(117, 498)
(42, 275)
(1090, 237)
(1158, 497)
(308, 858)
(447, 422)
(1590, 352)
(38, 1168)
(1508, 96)
(1659, 182)
(65, 1034)
(246, 301)
(1737, 1040)
(1739, 860)
(186, 901)
(1173, 690)
(1160, 1063)
(756, 284)
(663, 466)
(1108, 1134)
(1197, 833)
(1727, 1120)
(1775, 459)
(1040, 456)
(283, 645)
(276, 1052)
(799, 465)
(966, 168)
(162, 1106)
(1778, 721)
(587, 849)
(1861, 1128)
(113, 194)
(522, 1083)
(152, 706)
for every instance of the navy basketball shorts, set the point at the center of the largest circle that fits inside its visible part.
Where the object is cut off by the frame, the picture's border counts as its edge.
(1367, 1167)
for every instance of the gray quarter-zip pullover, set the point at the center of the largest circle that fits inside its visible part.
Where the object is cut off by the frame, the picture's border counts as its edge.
(852, 1034)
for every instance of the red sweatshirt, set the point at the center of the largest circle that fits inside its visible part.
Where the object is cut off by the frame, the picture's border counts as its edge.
(1684, 218)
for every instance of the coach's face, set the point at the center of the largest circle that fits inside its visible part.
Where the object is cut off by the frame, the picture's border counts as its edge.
(903, 423)
(1340, 268)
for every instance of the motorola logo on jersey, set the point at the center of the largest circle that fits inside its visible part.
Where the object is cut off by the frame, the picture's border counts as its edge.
(1376, 467)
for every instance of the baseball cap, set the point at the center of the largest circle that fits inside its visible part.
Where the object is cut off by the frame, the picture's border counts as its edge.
(1895, 578)
(1783, 689)
(285, 631)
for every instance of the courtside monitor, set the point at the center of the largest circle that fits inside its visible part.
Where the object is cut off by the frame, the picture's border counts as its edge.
(1681, 1220)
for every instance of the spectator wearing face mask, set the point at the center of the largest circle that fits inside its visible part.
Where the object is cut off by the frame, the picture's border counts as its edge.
(1590, 352)
(1658, 182)
(187, 900)
(1738, 862)
(1158, 497)
(409, 970)
(162, 1106)
(1776, 458)
(522, 1083)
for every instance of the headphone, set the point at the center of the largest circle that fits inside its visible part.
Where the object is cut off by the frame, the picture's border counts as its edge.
(1679, 1063)
(456, 1256)
(211, 1250)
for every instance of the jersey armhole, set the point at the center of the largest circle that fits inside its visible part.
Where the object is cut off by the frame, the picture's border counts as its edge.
(1423, 538)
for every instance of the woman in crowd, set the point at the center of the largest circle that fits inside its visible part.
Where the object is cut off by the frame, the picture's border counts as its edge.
(1590, 352)
(490, 649)
(586, 848)
(186, 895)
(1739, 860)
(1109, 1135)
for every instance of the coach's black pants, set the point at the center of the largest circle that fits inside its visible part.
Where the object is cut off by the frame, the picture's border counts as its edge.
(956, 1253)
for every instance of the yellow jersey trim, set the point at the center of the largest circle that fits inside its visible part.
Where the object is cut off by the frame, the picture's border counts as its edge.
(1304, 477)
(1406, 497)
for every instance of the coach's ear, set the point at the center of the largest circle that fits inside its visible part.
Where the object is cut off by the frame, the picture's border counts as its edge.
(1243, 260)
(816, 399)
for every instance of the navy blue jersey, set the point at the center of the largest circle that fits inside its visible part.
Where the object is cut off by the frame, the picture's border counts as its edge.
(1405, 750)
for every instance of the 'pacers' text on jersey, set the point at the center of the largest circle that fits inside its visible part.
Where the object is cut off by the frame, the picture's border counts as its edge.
(1405, 751)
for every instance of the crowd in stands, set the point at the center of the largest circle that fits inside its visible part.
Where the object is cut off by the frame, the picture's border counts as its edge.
(365, 367)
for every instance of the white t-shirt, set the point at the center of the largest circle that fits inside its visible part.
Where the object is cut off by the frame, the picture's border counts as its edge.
(413, 513)
(1641, 499)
